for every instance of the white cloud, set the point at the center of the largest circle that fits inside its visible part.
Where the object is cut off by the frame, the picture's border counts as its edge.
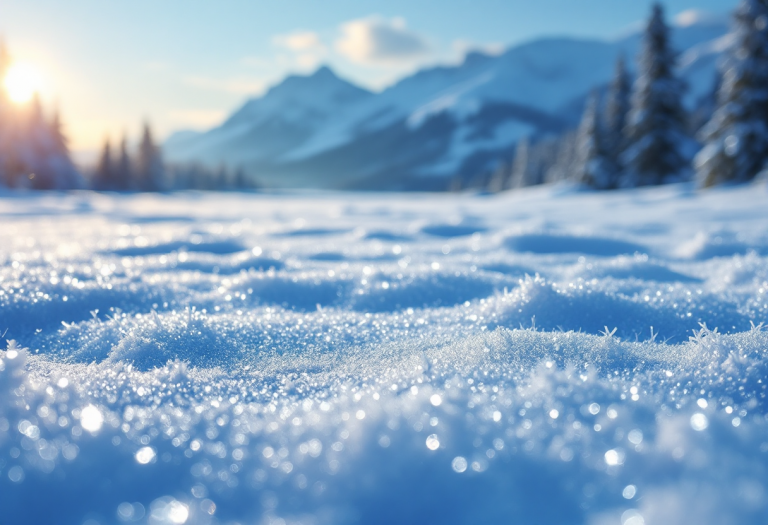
(694, 16)
(237, 86)
(299, 41)
(199, 118)
(377, 41)
(306, 48)
(462, 47)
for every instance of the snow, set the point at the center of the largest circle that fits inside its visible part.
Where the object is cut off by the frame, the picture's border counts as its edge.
(549, 355)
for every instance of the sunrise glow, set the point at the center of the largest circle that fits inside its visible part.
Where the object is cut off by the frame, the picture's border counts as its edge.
(21, 82)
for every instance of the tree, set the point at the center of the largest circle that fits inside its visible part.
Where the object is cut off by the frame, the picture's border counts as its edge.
(56, 161)
(521, 174)
(123, 171)
(499, 179)
(103, 177)
(656, 139)
(149, 164)
(736, 138)
(563, 158)
(616, 110)
(593, 168)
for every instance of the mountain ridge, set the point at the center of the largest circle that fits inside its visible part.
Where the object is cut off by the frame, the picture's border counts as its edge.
(322, 131)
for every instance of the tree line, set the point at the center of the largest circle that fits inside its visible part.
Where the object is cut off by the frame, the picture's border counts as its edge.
(144, 170)
(641, 134)
(34, 154)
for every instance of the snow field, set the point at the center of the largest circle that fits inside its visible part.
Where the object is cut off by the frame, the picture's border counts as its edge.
(346, 358)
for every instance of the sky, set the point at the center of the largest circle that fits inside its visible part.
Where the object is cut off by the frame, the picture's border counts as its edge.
(187, 64)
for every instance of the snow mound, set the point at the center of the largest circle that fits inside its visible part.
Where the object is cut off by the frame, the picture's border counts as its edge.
(544, 357)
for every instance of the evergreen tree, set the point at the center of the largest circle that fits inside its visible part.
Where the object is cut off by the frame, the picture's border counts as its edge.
(655, 136)
(241, 180)
(564, 158)
(103, 178)
(62, 173)
(149, 164)
(592, 166)
(616, 111)
(123, 172)
(521, 174)
(704, 108)
(499, 178)
(736, 138)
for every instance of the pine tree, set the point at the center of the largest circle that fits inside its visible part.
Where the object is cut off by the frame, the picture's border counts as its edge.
(656, 138)
(65, 174)
(592, 166)
(521, 175)
(103, 178)
(616, 110)
(149, 164)
(736, 138)
(241, 180)
(499, 179)
(564, 158)
(123, 171)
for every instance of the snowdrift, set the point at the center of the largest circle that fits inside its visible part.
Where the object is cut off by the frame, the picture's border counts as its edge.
(548, 356)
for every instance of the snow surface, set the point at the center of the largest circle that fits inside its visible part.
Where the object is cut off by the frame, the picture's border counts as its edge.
(534, 357)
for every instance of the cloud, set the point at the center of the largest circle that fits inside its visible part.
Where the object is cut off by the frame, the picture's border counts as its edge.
(377, 41)
(299, 41)
(237, 86)
(306, 48)
(463, 47)
(694, 16)
(200, 118)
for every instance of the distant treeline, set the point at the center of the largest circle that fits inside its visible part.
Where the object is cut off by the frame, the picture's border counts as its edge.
(640, 133)
(144, 170)
(34, 155)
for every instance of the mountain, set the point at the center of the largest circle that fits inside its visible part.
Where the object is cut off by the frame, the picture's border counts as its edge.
(442, 122)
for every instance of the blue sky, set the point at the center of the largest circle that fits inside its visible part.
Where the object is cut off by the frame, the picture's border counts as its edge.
(188, 63)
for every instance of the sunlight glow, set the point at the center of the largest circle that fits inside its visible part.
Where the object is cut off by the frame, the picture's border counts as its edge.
(21, 82)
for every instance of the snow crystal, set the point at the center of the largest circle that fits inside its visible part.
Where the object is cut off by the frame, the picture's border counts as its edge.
(548, 356)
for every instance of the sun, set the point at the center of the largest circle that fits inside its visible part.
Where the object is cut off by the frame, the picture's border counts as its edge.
(21, 82)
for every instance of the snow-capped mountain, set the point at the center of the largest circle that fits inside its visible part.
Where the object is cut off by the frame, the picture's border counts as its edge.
(440, 123)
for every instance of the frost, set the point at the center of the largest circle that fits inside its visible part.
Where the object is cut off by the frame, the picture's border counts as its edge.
(544, 373)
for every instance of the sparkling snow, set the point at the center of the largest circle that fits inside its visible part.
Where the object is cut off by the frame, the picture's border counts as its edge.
(545, 356)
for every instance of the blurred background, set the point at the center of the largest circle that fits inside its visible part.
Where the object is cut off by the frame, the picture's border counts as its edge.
(484, 95)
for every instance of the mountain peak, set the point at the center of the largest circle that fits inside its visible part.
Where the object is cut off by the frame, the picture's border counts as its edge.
(324, 71)
(323, 78)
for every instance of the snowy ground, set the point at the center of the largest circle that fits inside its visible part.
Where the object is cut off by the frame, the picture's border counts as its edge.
(381, 359)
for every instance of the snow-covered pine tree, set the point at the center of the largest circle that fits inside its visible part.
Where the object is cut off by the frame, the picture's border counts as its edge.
(123, 171)
(499, 180)
(241, 179)
(592, 166)
(736, 138)
(541, 157)
(149, 164)
(520, 175)
(564, 158)
(616, 110)
(57, 162)
(655, 133)
(704, 107)
(103, 177)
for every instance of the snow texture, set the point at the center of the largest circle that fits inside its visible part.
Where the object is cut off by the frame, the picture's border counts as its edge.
(547, 356)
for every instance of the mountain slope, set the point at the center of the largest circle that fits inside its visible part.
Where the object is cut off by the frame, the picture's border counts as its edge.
(319, 131)
(266, 127)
